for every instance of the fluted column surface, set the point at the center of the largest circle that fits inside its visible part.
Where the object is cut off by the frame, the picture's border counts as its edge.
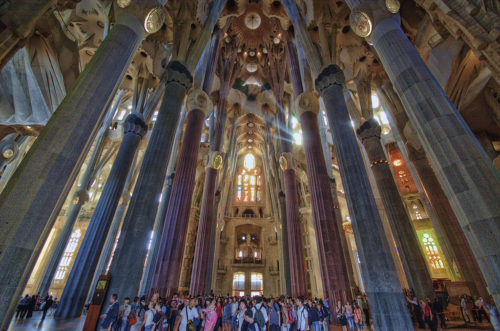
(80, 277)
(128, 263)
(379, 272)
(168, 264)
(45, 175)
(333, 268)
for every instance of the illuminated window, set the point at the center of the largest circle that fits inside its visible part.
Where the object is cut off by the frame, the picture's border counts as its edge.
(256, 284)
(68, 254)
(239, 283)
(432, 252)
(249, 181)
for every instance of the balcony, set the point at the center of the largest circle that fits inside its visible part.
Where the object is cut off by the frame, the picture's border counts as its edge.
(272, 240)
(274, 271)
(249, 262)
(221, 269)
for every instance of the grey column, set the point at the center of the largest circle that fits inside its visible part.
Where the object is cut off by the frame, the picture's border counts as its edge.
(81, 196)
(42, 181)
(80, 278)
(128, 263)
(409, 249)
(387, 303)
(465, 172)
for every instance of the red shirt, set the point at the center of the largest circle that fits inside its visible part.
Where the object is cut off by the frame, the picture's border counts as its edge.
(218, 309)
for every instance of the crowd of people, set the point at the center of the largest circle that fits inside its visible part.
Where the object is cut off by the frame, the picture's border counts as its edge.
(28, 304)
(232, 314)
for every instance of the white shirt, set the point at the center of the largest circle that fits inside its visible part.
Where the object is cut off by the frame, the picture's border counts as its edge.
(192, 312)
(301, 318)
(263, 311)
(150, 313)
(234, 308)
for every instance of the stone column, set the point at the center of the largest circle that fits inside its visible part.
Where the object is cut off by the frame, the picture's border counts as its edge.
(332, 264)
(50, 167)
(128, 263)
(379, 272)
(168, 264)
(465, 172)
(445, 223)
(81, 196)
(409, 249)
(80, 278)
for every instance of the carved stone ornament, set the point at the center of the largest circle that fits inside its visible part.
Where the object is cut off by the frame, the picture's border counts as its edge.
(266, 98)
(155, 19)
(361, 23)
(198, 99)
(123, 3)
(392, 6)
(307, 101)
(134, 124)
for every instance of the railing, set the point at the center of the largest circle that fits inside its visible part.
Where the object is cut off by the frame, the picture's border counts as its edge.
(244, 260)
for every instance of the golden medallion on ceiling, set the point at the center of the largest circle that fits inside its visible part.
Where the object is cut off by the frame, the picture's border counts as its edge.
(155, 19)
(252, 20)
(392, 6)
(283, 163)
(361, 24)
(123, 3)
(217, 164)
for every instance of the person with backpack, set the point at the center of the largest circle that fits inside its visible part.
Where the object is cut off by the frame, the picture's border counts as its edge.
(46, 305)
(210, 315)
(358, 317)
(260, 314)
(274, 316)
(314, 317)
(302, 315)
(159, 318)
(111, 316)
(341, 317)
(188, 315)
(147, 323)
(123, 314)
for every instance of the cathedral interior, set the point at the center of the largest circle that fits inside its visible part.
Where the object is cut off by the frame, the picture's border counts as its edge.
(313, 148)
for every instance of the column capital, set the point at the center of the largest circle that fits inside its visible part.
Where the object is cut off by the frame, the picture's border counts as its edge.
(199, 99)
(330, 75)
(178, 73)
(81, 196)
(369, 129)
(307, 102)
(134, 124)
(266, 101)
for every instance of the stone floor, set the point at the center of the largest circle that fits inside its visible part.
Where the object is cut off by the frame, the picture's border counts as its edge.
(50, 324)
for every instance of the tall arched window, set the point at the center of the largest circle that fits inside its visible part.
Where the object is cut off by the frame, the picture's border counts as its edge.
(68, 254)
(249, 181)
(432, 252)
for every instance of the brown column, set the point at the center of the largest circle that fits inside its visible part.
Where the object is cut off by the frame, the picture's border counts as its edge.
(168, 263)
(295, 253)
(406, 239)
(332, 264)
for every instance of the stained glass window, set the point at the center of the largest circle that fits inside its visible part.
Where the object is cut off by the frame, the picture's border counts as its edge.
(432, 252)
(249, 181)
(68, 254)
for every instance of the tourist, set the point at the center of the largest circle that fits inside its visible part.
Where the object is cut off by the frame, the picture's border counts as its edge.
(210, 316)
(123, 314)
(465, 308)
(111, 314)
(417, 312)
(358, 316)
(260, 314)
(286, 317)
(493, 314)
(350, 316)
(218, 310)
(437, 307)
(159, 318)
(428, 315)
(46, 305)
(188, 315)
(22, 307)
(302, 315)
(173, 304)
(226, 315)
(147, 323)
(234, 314)
(341, 316)
(274, 316)
(314, 317)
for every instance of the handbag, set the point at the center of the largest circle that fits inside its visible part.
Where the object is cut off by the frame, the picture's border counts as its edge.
(189, 324)
(132, 319)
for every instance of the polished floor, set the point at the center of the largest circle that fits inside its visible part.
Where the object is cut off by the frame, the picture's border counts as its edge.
(50, 324)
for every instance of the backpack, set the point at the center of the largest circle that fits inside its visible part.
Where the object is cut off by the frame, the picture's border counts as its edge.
(259, 318)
